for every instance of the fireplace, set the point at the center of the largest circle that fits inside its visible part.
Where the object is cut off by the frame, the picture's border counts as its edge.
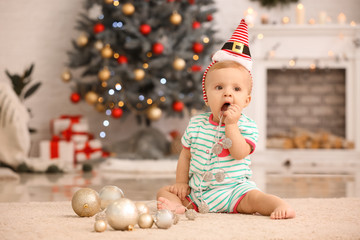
(306, 109)
(306, 85)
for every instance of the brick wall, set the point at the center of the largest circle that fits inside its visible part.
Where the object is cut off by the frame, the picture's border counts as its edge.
(301, 98)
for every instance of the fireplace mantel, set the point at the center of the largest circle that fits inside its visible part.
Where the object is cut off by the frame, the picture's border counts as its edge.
(327, 46)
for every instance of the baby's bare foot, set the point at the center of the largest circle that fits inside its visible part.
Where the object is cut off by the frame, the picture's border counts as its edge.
(282, 212)
(164, 203)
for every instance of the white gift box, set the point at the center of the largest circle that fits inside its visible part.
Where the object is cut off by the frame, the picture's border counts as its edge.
(88, 150)
(57, 150)
(66, 122)
(79, 133)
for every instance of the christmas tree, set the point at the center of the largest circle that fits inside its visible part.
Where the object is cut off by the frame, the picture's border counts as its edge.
(142, 57)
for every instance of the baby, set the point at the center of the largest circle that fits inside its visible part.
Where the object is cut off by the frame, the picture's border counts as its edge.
(213, 171)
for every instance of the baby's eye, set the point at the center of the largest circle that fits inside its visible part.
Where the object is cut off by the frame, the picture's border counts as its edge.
(218, 87)
(237, 89)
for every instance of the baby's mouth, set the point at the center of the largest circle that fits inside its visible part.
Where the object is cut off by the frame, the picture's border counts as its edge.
(225, 107)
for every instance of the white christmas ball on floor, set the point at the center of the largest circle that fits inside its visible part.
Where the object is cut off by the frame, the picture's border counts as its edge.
(110, 194)
(142, 207)
(145, 220)
(164, 218)
(122, 214)
(100, 226)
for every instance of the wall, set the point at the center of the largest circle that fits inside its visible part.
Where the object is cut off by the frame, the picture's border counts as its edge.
(40, 31)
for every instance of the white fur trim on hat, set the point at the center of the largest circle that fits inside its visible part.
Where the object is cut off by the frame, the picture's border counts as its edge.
(221, 55)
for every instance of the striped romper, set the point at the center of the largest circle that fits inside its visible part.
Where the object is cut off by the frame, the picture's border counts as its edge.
(199, 138)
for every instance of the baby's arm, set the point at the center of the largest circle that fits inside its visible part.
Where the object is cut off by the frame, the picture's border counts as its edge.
(240, 148)
(181, 187)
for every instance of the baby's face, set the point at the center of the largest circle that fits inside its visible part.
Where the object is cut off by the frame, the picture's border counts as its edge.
(227, 86)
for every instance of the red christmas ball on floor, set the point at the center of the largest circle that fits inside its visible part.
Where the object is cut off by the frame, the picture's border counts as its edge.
(122, 59)
(98, 28)
(196, 25)
(157, 48)
(197, 47)
(178, 106)
(145, 29)
(117, 113)
(75, 97)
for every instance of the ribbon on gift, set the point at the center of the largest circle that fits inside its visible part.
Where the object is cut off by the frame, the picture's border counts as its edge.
(67, 133)
(87, 150)
(73, 119)
(54, 147)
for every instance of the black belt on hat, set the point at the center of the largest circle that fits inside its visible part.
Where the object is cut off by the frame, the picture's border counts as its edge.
(237, 47)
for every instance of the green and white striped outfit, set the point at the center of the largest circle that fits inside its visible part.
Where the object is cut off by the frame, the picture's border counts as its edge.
(199, 137)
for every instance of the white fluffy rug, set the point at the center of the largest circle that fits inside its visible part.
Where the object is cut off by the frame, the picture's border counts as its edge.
(316, 219)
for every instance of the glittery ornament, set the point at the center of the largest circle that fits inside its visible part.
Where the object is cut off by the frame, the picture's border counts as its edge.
(190, 214)
(121, 214)
(110, 194)
(208, 176)
(220, 176)
(86, 202)
(217, 149)
(100, 225)
(104, 74)
(145, 220)
(203, 207)
(227, 143)
(142, 207)
(164, 218)
(154, 113)
(82, 40)
(139, 74)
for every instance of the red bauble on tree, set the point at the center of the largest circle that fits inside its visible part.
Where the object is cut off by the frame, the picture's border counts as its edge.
(197, 47)
(117, 113)
(209, 17)
(191, 2)
(75, 97)
(98, 28)
(196, 68)
(178, 106)
(157, 48)
(122, 59)
(145, 29)
(196, 25)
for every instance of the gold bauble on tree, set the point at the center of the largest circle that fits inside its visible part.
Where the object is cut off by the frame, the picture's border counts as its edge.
(139, 74)
(154, 113)
(104, 74)
(179, 64)
(175, 18)
(128, 9)
(66, 76)
(108, 1)
(100, 107)
(82, 40)
(99, 45)
(107, 52)
(91, 97)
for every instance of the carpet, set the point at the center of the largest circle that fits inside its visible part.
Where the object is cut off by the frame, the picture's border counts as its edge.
(316, 219)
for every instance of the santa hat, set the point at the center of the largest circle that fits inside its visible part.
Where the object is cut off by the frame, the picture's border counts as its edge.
(235, 49)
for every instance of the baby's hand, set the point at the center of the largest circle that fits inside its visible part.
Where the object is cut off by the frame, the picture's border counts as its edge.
(232, 114)
(180, 189)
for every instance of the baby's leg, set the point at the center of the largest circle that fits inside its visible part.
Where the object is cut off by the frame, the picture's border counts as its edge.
(168, 200)
(265, 204)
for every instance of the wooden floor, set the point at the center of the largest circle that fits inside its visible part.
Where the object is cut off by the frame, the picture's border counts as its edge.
(143, 186)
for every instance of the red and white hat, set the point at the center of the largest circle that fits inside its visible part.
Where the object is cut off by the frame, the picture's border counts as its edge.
(236, 49)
